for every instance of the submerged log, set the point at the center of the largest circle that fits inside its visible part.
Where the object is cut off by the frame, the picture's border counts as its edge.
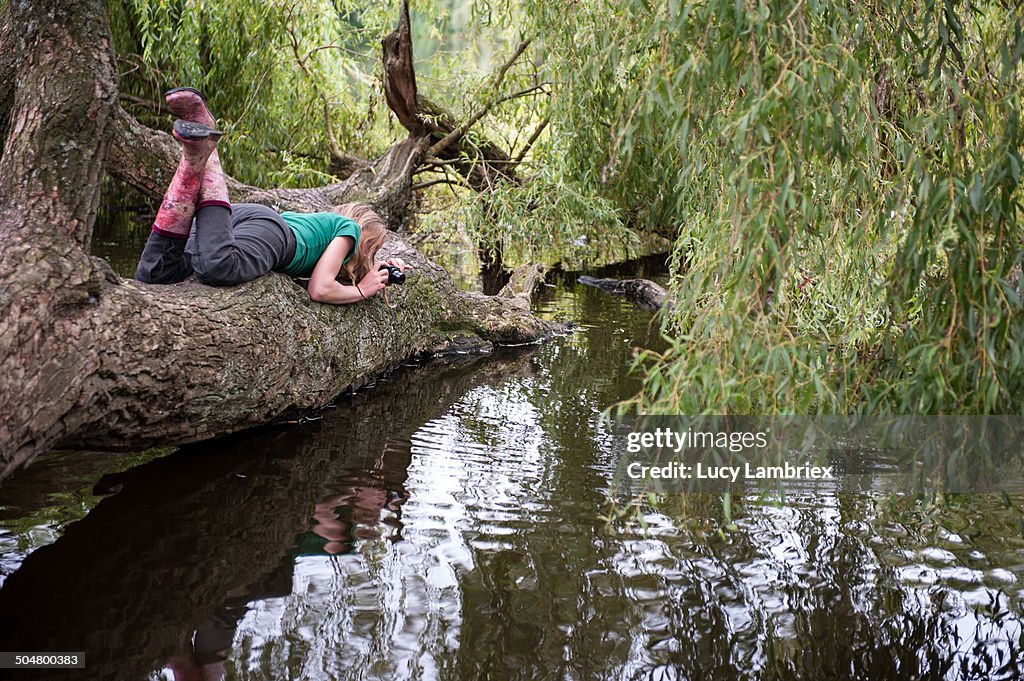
(641, 292)
(90, 359)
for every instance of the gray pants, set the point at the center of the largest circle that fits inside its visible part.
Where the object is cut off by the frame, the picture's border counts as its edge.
(226, 247)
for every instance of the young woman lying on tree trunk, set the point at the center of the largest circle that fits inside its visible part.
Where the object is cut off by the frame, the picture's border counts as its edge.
(234, 243)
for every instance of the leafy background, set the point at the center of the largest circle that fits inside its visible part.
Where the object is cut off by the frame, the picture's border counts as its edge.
(839, 181)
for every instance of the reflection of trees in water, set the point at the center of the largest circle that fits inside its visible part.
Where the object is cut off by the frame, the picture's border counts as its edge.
(512, 578)
(505, 569)
(803, 591)
(797, 593)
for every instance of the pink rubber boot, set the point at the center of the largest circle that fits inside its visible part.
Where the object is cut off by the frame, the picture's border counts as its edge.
(189, 104)
(174, 219)
(214, 189)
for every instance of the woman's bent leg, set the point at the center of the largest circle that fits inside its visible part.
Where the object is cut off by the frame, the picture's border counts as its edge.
(239, 244)
(163, 261)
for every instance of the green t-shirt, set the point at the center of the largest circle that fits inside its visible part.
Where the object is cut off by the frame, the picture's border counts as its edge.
(313, 234)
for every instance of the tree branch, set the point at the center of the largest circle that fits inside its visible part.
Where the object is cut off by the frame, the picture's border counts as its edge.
(155, 107)
(332, 141)
(458, 132)
(533, 138)
(400, 75)
(424, 118)
(524, 93)
(444, 180)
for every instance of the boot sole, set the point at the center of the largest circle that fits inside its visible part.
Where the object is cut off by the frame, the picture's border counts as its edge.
(185, 89)
(188, 130)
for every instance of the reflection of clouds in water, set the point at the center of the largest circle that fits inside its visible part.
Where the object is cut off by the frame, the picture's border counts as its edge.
(376, 613)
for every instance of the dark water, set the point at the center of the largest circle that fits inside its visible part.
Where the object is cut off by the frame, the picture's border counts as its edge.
(453, 522)
(122, 226)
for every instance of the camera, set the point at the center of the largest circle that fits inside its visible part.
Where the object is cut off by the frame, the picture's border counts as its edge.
(395, 274)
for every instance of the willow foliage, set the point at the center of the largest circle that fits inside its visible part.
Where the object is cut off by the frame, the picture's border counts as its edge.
(842, 179)
(296, 83)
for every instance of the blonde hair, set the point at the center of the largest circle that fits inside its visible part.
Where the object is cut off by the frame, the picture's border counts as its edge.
(371, 237)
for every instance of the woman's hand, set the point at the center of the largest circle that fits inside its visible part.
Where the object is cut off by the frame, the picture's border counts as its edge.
(399, 263)
(375, 280)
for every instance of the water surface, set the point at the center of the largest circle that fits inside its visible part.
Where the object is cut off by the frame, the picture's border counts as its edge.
(453, 521)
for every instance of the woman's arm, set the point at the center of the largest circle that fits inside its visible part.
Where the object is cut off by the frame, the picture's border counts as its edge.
(323, 285)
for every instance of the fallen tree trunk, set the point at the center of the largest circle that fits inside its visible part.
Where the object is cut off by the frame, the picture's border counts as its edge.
(90, 359)
(144, 365)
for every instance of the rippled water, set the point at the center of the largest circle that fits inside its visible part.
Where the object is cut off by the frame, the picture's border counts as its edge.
(453, 522)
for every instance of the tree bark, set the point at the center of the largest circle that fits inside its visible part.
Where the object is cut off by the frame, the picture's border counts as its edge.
(90, 359)
(400, 75)
(8, 69)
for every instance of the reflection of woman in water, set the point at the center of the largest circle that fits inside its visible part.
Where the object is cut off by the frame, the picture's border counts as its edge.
(229, 244)
(352, 513)
(343, 518)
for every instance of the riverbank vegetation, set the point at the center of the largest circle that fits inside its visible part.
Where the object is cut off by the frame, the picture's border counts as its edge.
(841, 181)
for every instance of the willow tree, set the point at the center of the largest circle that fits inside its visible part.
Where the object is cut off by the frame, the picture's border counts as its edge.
(842, 180)
(90, 359)
(293, 83)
